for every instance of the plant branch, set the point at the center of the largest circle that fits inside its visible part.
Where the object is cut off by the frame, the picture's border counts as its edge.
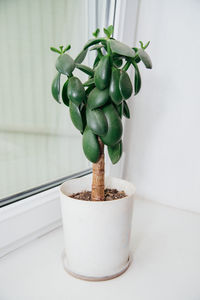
(126, 66)
(98, 176)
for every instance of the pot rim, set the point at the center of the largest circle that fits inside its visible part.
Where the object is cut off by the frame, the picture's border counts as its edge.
(100, 202)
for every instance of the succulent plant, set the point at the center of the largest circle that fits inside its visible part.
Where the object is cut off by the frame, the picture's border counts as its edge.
(97, 105)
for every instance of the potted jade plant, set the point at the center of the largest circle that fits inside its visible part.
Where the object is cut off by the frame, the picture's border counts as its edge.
(97, 212)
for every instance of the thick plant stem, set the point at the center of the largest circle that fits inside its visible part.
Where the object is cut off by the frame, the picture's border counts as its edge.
(98, 176)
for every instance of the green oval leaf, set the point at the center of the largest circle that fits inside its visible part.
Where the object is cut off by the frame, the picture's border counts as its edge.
(115, 152)
(90, 145)
(85, 69)
(126, 111)
(96, 32)
(125, 85)
(119, 109)
(96, 121)
(97, 98)
(81, 56)
(114, 90)
(122, 49)
(83, 115)
(75, 91)
(145, 58)
(110, 29)
(107, 33)
(93, 42)
(115, 129)
(55, 50)
(64, 94)
(137, 81)
(102, 73)
(55, 87)
(65, 64)
(67, 48)
(75, 116)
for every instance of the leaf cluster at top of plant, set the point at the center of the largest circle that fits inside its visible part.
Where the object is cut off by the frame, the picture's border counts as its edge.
(97, 105)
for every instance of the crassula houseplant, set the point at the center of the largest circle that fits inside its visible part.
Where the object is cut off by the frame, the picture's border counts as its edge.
(97, 106)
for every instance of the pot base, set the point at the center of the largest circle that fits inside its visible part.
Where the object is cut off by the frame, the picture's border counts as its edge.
(93, 278)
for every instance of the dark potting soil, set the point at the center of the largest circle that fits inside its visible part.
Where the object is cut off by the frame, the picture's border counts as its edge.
(110, 194)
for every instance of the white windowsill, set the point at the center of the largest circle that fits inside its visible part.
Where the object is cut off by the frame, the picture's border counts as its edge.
(27, 219)
(166, 265)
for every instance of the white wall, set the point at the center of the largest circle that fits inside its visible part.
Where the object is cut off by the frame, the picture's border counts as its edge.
(162, 139)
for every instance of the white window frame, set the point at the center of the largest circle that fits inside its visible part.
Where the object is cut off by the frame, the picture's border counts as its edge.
(28, 219)
(126, 17)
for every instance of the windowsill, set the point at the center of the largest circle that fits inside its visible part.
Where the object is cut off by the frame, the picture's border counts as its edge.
(166, 263)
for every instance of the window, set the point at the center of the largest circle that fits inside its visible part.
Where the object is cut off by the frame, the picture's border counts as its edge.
(39, 145)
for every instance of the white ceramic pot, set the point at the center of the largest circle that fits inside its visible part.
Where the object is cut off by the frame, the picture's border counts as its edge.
(96, 233)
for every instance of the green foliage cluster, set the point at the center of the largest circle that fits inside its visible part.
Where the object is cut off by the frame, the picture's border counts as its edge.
(97, 105)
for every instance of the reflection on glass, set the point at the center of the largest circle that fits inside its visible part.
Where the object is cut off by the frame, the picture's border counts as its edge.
(38, 142)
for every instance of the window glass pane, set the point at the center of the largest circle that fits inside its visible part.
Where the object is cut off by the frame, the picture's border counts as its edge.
(39, 143)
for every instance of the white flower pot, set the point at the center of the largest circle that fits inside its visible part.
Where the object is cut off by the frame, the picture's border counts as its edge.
(96, 233)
